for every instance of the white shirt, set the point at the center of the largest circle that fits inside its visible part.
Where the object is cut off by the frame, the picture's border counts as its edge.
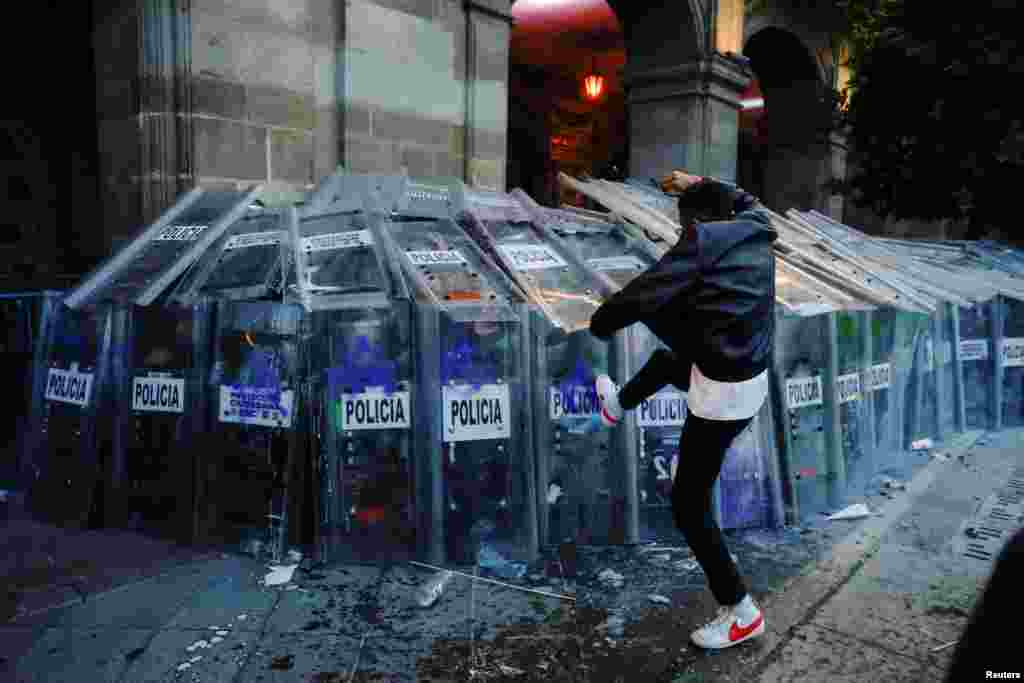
(713, 400)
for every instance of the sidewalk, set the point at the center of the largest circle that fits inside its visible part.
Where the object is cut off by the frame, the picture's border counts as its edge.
(894, 596)
(864, 600)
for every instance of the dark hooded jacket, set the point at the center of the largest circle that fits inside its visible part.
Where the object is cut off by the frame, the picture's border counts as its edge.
(711, 298)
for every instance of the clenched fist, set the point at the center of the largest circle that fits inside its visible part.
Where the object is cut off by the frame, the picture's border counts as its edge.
(679, 181)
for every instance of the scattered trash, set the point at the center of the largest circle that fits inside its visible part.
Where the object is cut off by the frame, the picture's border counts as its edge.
(222, 633)
(922, 445)
(182, 667)
(198, 645)
(660, 599)
(216, 640)
(940, 456)
(490, 560)
(195, 659)
(242, 617)
(688, 565)
(857, 511)
(283, 663)
(661, 558)
(613, 625)
(292, 588)
(433, 588)
(554, 492)
(511, 671)
(279, 575)
(294, 556)
(940, 648)
(663, 548)
(890, 483)
(610, 576)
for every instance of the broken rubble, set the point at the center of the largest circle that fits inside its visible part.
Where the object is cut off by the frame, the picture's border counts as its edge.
(659, 599)
(856, 511)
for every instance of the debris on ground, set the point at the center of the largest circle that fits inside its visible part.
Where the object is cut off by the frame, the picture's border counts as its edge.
(611, 577)
(613, 625)
(283, 663)
(922, 445)
(433, 588)
(491, 560)
(940, 456)
(279, 575)
(856, 511)
(659, 599)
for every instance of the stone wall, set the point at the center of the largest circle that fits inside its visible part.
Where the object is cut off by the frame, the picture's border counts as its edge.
(265, 92)
(426, 88)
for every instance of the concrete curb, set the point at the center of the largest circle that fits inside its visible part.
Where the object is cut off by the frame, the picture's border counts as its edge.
(801, 597)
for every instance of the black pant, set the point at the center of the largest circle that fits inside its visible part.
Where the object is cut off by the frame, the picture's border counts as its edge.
(663, 368)
(704, 444)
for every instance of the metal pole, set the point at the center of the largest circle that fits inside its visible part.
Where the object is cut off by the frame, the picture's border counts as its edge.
(542, 432)
(784, 435)
(625, 447)
(526, 445)
(959, 401)
(50, 312)
(867, 348)
(937, 374)
(833, 424)
(430, 468)
(122, 318)
(999, 368)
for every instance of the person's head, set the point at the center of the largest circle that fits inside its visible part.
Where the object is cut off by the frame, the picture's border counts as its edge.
(705, 201)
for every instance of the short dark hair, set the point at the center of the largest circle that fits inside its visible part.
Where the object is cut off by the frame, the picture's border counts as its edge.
(706, 201)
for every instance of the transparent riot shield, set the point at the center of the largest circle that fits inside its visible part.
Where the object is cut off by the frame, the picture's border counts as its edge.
(250, 261)
(565, 293)
(801, 348)
(359, 369)
(854, 408)
(978, 362)
(21, 316)
(71, 367)
(152, 260)
(251, 445)
(475, 475)
(1012, 354)
(361, 364)
(944, 371)
(160, 360)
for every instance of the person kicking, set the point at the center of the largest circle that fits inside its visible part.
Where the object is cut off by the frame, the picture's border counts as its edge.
(711, 301)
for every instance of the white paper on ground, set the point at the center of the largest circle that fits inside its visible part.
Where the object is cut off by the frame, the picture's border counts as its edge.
(279, 575)
(922, 445)
(853, 512)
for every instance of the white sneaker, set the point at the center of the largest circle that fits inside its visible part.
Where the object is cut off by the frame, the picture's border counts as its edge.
(608, 395)
(729, 629)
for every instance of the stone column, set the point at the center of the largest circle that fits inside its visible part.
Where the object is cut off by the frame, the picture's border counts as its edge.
(488, 33)
(143, 98)
(686, 116)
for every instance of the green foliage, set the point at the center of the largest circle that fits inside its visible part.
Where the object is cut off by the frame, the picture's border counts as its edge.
(932, 118)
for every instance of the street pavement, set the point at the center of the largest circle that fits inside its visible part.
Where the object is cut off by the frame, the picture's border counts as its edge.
(860, 600)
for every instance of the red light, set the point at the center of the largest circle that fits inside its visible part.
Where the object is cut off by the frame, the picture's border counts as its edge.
(593, 86)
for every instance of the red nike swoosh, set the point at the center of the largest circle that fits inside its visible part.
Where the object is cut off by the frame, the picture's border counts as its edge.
(737, 633)
(604, 411)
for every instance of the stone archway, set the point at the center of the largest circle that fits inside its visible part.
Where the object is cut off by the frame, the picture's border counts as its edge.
(682, 96)
(790, 162)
